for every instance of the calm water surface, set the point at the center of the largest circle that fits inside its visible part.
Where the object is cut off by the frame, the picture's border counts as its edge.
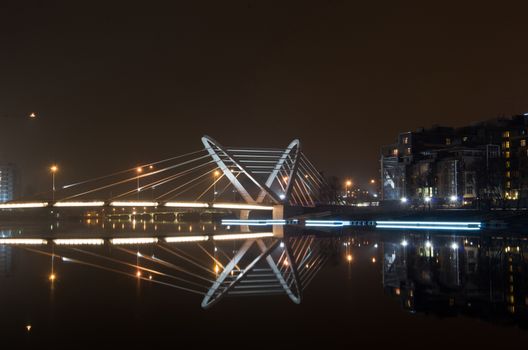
(369, 288)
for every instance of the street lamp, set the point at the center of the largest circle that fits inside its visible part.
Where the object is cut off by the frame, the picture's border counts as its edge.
(139, 170)
(348, 183)
(54, 168)
(215, 177)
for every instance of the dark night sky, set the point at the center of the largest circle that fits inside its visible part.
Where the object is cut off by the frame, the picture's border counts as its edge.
(119, 84)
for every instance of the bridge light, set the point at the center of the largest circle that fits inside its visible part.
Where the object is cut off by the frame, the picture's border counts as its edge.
(139, 170)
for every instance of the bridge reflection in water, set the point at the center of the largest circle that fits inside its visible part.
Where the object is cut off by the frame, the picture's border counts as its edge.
(480, 275)
(239, 264)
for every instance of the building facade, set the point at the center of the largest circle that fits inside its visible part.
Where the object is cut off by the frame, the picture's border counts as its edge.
(484, 164)
(7, 182)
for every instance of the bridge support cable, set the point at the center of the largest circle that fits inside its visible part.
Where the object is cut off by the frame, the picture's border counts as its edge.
(194, 179)
(131, 169)
(134, 178)
(212, 186)
(109, 269)
(137, 266)
(167, 264)
(186, 257)
(164, 180)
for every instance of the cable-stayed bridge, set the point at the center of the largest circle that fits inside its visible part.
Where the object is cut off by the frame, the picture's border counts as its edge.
(213, 177)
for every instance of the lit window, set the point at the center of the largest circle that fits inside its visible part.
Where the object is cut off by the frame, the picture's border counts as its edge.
(508, 164)
(408, 150)
(506, 134)
(507, 154)
(507, 144)
(508, 174)
(406, 140)
(395, 152)
(508, 184)
(523, 143)
(448, 141)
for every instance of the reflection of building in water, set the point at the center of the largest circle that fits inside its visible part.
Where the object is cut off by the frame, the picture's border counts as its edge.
(6, 257)
(6, 261)
(480, 277)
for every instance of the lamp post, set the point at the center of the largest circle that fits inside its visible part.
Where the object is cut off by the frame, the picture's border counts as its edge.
(139, 170)
(54, 168)
(216, 173)
(348, 184)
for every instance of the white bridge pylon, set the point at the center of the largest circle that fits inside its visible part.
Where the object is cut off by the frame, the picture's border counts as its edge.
(279, 175)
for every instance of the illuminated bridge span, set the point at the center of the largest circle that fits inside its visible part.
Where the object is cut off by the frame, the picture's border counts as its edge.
(215, 177)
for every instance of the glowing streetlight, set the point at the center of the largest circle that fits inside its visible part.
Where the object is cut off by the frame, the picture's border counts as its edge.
(372, 181)
(139, 170)
(348, 184)
(349, 257)
(52, 277)
(215, 175)
(54, 168)
(32, 115)
(403, 200)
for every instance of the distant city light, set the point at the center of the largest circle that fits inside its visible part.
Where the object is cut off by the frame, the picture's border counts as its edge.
(404, 243)
(403, 199)
(453, 198)
(454, 246)
(32, 115)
